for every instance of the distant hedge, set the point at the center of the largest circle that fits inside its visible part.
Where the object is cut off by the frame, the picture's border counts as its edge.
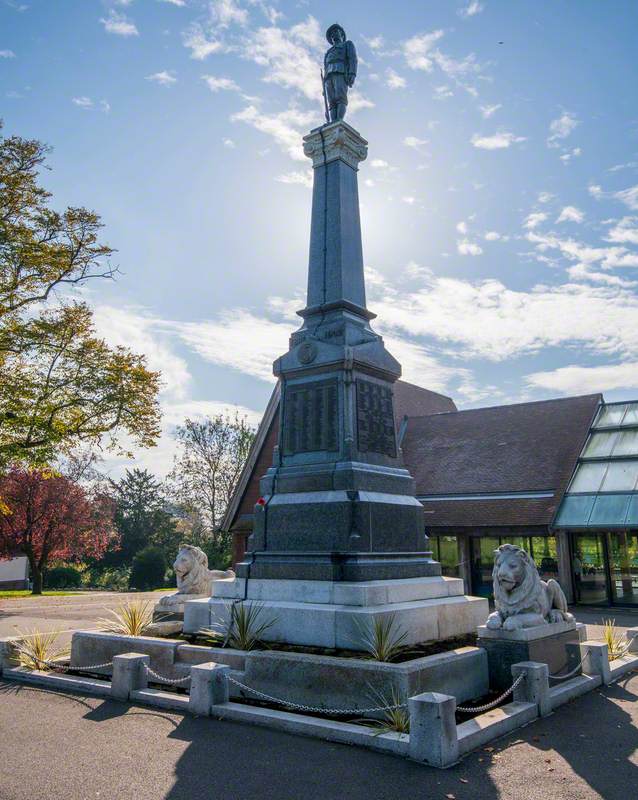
(149, 566)
(63, 578)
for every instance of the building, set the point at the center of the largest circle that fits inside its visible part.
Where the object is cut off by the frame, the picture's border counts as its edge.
(558, 477)
(14, 573)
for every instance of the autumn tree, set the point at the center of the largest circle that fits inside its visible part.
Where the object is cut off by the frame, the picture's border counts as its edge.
(46, 516)
(212, 453)
(60, 384)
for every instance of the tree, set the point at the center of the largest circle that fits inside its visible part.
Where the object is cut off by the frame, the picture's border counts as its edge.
(46, 516)
(212, 454)
(141, 518)
(60, 384)
(149, 567)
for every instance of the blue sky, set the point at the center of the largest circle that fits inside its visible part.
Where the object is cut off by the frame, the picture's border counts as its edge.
(499, 199)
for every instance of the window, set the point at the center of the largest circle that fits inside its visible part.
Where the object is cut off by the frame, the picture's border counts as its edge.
(631, 417)
(610, 415)
(621, 476)
(610, 509)
(600, 444)
(588, 478)
(626, 443)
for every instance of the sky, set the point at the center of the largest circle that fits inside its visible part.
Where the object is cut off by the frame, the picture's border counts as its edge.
(499, 200)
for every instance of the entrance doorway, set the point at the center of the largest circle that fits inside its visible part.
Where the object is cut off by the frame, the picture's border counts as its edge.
(605, 568)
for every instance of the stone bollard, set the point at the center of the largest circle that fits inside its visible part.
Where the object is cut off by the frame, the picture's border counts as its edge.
(535, 687)
(129, 674)
(596, 660)
(209, 687)
(433, 737)
(7, 652)
(631, 634)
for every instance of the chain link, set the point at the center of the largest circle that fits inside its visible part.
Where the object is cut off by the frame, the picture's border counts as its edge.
(164, 679)
(58, 667)
(494, 703)
(315, 709)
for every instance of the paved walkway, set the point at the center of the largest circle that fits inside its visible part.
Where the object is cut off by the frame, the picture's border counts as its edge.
(66, 613)
(57, 745)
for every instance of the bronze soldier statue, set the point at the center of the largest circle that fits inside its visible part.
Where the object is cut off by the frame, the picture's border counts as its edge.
(340, 70)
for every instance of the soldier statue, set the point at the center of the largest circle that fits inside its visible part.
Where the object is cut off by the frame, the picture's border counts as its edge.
(340, 70)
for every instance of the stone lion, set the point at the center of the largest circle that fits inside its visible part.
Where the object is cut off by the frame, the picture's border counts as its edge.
(521, 598)
(194, 579)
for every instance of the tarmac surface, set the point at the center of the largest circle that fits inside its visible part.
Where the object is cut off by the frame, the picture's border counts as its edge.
(62, 745)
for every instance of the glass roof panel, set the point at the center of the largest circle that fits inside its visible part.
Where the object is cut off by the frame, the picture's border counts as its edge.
(575, 510)
(610, 415)
(600, 444)
(632, 513)
(610, 509)
(588, 477)
(621, 476)
(631, 417)
(626, 443)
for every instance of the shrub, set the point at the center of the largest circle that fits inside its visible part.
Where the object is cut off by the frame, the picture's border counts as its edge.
(244, 628)
(115, 579)
(149, 566)
(385, 641)
(63, 577)
(36, 650)
(130, 619)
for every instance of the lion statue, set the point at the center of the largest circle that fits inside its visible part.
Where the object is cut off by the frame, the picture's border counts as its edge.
(194, 579)
(522, 599)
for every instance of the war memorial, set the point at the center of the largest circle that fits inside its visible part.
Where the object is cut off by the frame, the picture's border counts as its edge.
(338, 565)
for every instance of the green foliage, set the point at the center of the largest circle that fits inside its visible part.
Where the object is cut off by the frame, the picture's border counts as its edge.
(130, 619)
(36, 648)
(60, 384)
(617, 645)
(63, 577)
(114, 579)
(394, 720)
(149, 566)
(384, 640)
(245, 626)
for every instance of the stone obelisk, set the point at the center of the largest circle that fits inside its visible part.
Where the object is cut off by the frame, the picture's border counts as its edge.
(338, 503)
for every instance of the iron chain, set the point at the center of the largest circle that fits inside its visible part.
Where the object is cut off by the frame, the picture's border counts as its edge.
(164, 679)
(494, 703)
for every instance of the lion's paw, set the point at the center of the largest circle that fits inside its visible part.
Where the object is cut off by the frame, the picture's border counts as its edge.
(494, 621)
(512, 624)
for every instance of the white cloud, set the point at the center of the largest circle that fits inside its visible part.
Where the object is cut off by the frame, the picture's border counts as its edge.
(561, 127)
(570, 214)
(497, 141)
(200, 42)
(418, 50)
(285, 127)
(567, 157)
(105, 106)
(595, 191)
(545, 197)
(379, 163)
(375, 43)
(409, 200)
(624, 231)
(473, 8)
(414, 142)
(7, 54)
(83, 102)
(628, 165)
(229, 143)
(226, 12)
(586, 380)
(461, 227)
(585, 255)
(629, 197)
(164, 78)
(303, 178)
(394, 80)
(489, 111)
(180, 3)
(495, 236)
(534, 219)
(217, 84)
(467, 248)
(442, 92)
(119, 24)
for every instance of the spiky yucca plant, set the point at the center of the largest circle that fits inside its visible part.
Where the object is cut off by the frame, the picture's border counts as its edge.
(384, 640)
(617, 646)
(245, 626)
(130, 619)
(37, 649)
(394, 720)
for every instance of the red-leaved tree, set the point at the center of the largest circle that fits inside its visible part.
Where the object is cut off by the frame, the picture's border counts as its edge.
(46, 516)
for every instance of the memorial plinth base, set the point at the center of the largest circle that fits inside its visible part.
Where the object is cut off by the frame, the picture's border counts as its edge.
(337, 614)
(544, 643)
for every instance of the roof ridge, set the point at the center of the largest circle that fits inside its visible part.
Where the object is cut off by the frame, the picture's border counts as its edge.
(511, 405)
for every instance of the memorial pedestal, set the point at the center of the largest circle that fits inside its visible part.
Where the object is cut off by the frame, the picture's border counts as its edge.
(546, 644)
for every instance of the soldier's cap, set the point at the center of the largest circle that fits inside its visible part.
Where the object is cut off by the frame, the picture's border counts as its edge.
(332, 29)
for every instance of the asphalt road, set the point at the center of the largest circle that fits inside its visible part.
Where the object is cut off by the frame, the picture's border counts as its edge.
(57, 745)
(64, 614)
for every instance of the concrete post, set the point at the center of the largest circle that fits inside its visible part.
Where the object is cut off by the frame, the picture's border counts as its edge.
(596, 660)
(6, 653)
(129, 674)
(433, 736)
(209, 687)
(631, 635)
(535, 687)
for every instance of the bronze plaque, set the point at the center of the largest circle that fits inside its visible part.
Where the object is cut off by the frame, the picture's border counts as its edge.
(311, 418)
(375, 419)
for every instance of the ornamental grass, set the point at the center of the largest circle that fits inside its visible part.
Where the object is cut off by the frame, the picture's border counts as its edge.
(37, 650)
(129, 619)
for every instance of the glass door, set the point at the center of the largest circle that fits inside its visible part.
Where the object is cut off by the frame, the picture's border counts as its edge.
(623, 562)
(589, 568)
(482, 557)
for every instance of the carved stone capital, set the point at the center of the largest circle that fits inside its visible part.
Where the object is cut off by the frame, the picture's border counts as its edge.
(333, 142)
